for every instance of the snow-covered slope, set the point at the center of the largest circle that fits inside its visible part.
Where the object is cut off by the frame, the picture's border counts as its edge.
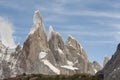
(8, 60)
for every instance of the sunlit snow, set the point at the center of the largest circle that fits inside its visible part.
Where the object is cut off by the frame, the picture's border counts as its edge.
(42, 55)
(53, 68)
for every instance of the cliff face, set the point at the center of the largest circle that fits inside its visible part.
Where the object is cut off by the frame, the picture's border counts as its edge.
(51, 56)
(111, 70)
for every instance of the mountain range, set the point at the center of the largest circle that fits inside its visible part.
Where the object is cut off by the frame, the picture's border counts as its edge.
(52, 56)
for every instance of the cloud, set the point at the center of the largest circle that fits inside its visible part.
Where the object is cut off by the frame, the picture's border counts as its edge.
(100, 42)
(92, 13)
(6, 32)
(18, 5)
(61, 11)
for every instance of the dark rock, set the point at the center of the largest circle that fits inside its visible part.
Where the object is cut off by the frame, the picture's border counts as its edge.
(111, 70)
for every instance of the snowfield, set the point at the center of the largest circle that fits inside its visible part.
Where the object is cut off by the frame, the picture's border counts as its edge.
(69, 67)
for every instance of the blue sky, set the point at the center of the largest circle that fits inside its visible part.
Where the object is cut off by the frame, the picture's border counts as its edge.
(94, 23)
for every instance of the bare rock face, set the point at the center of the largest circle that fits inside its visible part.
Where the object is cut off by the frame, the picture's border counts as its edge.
(72, 43)
(57, 47)
(111, 70)
(36, 44)
(37, 40)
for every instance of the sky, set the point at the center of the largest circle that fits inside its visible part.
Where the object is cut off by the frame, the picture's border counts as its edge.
(95, 24)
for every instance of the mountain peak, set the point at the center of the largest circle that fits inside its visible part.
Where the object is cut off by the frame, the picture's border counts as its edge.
(50, 57)
(52, 32)
(51, 29)
(71, 40)
(37, 11)
(70, 36)
(37, 18)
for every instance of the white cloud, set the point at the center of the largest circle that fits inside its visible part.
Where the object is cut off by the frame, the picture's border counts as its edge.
(62, 13)
(6, 32)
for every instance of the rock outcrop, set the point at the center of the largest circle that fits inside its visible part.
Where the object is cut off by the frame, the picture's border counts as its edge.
(111, 70)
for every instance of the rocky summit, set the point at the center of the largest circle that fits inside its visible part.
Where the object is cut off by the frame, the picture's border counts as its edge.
(47, 56)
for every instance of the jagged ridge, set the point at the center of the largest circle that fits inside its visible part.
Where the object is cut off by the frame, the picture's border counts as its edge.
(51, 56)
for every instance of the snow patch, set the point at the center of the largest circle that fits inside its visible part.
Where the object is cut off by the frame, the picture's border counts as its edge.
(53, 68)
(95, 70)
(70, 63)
(71, 45)
(78, 53)
(42, 55)
(60, 51)
(69, 67)
(7, 57)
